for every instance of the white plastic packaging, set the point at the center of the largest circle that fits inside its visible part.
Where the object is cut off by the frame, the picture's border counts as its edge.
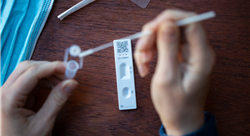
(74, 8)
(141, 3)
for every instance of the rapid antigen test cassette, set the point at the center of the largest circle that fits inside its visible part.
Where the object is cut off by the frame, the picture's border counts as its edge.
(124, 74)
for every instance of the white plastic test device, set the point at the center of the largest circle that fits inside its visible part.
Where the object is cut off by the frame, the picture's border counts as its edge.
(124, 74)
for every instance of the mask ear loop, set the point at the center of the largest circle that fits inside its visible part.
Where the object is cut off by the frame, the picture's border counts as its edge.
(141, 3)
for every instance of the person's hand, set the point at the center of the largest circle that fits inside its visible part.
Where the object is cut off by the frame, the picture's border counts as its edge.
(185, 61)
(17, 99)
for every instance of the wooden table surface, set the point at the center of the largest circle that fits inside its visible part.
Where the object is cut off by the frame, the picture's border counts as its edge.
(93, 108)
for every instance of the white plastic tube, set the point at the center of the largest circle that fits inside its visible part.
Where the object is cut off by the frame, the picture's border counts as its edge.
(71, 69)
(74, 8)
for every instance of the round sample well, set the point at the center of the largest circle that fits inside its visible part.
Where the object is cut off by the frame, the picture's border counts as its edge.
(126, 92)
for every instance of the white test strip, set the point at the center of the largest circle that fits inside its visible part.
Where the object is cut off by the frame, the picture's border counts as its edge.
(124, 74)
(74, 8)
(183, 22)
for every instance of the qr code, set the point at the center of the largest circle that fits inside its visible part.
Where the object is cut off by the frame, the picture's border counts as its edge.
(122, 46)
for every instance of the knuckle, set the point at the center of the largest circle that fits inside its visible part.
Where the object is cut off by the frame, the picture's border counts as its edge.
(168, 12)
(195, 29)
(168, 28)
(33, 68)
(168, 34)
(57, 62)
(136, 55)
(24, 63)
(5, 98)
(146, 27)
(164, 81)
(191, 29)
(58, 100)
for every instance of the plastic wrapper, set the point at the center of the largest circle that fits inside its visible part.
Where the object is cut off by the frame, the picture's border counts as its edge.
(141, 3)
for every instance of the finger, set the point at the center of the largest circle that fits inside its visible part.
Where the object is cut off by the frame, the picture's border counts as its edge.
(200, 60)
(201, 55)
(21, 68)
(57, 98)
(168, 49)
(142, 60)
(28, 80)
(145, 49)
(147, 42)
(145, 46)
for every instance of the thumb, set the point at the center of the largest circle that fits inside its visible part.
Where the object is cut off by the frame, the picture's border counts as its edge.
(168, 47)
(57, 98)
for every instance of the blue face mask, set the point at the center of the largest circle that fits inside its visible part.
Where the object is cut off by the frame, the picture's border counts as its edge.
(21, 24)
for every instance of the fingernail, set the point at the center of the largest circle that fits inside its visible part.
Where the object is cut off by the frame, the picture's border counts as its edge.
(70, 87)
(171, 35)
(142, 71)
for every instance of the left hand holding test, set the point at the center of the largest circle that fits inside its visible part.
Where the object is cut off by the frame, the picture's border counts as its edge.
(16, 97)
